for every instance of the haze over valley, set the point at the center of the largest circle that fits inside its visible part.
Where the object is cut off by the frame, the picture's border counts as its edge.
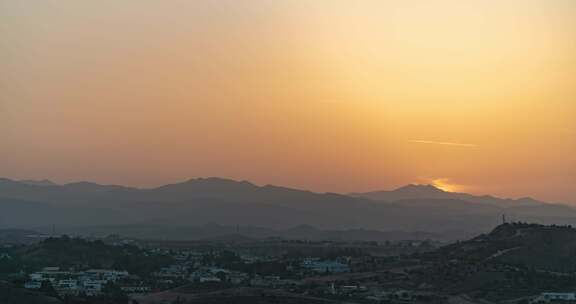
(191, 209)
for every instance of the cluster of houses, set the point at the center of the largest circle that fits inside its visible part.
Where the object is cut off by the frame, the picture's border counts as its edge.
(547, 297)
(321, 266)
(189, 266)
(216, 274)
(89, 282)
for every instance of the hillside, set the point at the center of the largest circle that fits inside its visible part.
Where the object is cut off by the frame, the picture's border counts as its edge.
(18, 236)
(231, 296)
(12, 295)
(68, 252)
(550, 248)
(513, 261)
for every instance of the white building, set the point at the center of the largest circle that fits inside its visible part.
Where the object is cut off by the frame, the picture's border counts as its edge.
(33, 284)
(67, 287)
(93, 287)
(555, 296)
(107, 274)
(136, 290)
(90, 282)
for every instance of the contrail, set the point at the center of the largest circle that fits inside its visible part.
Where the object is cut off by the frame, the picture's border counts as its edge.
(443, 143)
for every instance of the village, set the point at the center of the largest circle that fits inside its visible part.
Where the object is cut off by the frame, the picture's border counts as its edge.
(353, 272)
(333, 270)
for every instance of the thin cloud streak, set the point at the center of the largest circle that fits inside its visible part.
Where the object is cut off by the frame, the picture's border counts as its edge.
(443, 143)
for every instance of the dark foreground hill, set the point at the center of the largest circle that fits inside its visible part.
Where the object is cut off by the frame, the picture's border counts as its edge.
(11, 295)
(231, 296)
(547, 248)
(515, 260)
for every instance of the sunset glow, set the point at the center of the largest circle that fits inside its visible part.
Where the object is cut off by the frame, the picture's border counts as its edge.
(445, 185)
(324, 95)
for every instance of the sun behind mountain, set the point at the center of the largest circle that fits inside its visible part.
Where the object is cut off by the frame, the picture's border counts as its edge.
(444, 184)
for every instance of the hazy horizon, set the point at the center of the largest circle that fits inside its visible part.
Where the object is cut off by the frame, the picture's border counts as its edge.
(438, 185)
(332, 96)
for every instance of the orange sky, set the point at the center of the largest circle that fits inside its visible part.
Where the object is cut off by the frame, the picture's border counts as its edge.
(325, 95)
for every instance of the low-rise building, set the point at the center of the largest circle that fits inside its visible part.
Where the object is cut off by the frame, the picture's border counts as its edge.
(93, 287)
(265, 281)
(33, 284)
(238, 278)
(67, 287)
(555, 297)
(325, 266)
(134, 290)
(89, 282)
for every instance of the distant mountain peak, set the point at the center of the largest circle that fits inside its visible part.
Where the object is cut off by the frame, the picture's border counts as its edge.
(7, 180)
(215, 180)
(431, 192)
(26, 183)
(529, 200)
(90, 187)
(211, 184)
(82, 184)
(44, 182)
(208, 179)
(420, 188)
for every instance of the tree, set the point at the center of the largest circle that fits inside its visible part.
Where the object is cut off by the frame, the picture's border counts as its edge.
(221, 275)
(48, 289)
(114, 292)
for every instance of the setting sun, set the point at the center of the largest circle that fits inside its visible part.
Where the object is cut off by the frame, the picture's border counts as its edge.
(445, 185)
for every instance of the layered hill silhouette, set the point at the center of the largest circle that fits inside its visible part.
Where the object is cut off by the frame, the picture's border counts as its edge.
(197, 202)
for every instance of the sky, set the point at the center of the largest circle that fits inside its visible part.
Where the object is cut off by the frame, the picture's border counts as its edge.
(328, 95)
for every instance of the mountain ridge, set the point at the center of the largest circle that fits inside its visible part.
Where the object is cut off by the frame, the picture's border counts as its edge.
(415, 191)
(409, 191)
(228, 202)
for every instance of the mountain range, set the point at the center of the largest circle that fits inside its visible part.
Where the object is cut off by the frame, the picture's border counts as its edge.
(197, 202)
